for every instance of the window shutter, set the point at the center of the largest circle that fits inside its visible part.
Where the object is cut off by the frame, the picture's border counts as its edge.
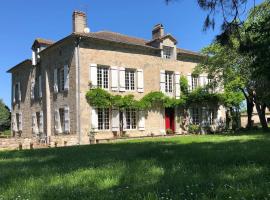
(202, 80)
(115, 119)
(219, 114)
(32, 88)
(66, 120)
(34, 58)
(40, 86)
(177, 85)
(162, 81)
(13, 93)
(19, 91)
(55, 85)
(41, 122)
(93, 75)
(34, 124)
(20, 121)
(141, 124)
(140, 79)
(124, 120)
(57, 124)
(114, 74)
(94, 118)
(66, 77)
(14, 123)
(122, 82)
(189, 78)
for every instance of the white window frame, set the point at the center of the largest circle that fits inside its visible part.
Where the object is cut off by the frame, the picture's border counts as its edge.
(167, 52)
(130, 77)
(169, 82)
(195, 116)
(131, 119)
(103, 77)
(104, 120)
(194, 82)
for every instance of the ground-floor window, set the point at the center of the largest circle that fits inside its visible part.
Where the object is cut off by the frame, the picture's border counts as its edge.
(103, 119)
(212, 116)
(195, 115)
(131, 119)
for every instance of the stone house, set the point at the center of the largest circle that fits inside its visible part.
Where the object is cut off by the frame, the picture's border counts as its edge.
(48, 91)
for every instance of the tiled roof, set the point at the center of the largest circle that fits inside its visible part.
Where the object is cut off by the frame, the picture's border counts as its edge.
(44, 41)
(27, 61)
(116, 37)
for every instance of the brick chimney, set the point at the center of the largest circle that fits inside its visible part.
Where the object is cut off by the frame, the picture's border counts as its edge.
(79, 21)
(158, 31)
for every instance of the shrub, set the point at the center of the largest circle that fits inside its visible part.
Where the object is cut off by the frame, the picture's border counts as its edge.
(169, 131)
(194, 129)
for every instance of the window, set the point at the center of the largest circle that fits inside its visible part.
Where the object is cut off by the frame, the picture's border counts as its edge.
(211, 116)
(61, 79)
(195, 82)
(17, 92)
(130, 79)
(167, 52)
(38, 119)
(169, 82)
(195, 116)
(18, 121)
(131, 119)
(103, 77)
(103, 119)
(62, 118)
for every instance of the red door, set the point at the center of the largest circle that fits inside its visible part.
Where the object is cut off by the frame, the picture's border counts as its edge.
(169, 119)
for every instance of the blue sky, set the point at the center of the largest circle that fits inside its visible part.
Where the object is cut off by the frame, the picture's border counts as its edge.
(24, 20)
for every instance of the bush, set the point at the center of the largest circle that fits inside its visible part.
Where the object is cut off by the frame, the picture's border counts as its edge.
(4, 117)
(169, 131)
(194, 129)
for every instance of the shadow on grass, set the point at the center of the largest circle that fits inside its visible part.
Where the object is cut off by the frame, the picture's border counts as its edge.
(145, 170)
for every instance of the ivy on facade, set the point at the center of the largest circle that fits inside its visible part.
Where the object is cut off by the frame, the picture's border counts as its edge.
(101, 98)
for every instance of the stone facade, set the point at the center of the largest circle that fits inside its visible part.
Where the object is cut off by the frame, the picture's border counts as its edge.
(61, 73)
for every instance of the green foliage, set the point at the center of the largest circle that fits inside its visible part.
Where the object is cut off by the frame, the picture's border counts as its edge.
(169, 131)
(201, 95)
(103, 99)
(194, 129)
(4, 117)
(184, 85)
(99, 98)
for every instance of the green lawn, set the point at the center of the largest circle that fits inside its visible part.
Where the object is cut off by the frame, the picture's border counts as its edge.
(192, 167)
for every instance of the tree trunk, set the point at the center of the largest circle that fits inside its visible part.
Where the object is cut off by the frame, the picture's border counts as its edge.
(250, 106)
(261, 113)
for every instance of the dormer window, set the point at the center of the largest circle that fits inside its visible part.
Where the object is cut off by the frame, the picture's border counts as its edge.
(167, 52)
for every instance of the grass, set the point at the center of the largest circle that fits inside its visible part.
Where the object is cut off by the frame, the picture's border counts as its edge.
(193, 167)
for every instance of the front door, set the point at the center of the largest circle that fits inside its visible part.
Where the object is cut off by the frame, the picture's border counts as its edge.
(169, 119)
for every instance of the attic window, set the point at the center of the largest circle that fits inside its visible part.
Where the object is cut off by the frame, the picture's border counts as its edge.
(167, 52)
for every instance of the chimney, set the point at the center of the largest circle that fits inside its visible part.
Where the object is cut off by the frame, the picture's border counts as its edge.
(79, 22)
(158, 31)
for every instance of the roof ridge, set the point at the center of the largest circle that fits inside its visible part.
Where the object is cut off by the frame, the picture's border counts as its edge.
(108, 31)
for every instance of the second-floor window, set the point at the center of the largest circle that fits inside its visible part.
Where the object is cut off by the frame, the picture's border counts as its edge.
(103, 77)
(130, 79)
(167, 52)
(168, 82)
(195, 82)
(131, 119)
(17, 92)
(103, 119)
(61, 79)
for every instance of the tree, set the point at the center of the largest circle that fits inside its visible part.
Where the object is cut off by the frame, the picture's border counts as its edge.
(4, 116)
(255, 44)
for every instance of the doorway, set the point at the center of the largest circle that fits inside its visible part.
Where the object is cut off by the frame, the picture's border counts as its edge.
(169, 119)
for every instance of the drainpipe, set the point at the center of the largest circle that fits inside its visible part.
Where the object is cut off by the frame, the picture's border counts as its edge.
(78, 94)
